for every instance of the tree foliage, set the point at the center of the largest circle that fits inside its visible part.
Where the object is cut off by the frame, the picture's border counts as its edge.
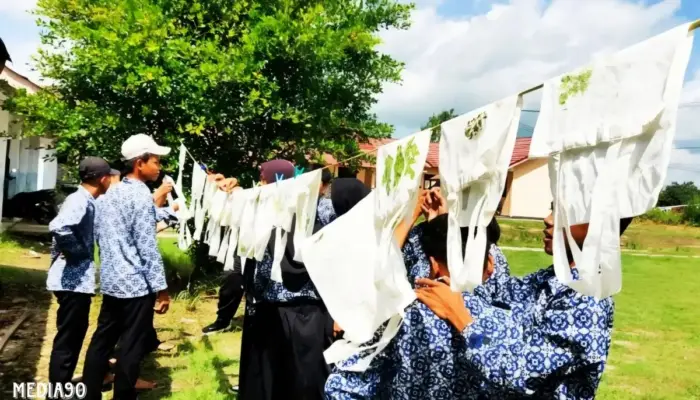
(435, 120)
(678, 194)
(239, 82)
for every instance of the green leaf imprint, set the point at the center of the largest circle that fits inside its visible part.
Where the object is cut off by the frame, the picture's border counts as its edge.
(572, 85)
(397, 168)
(475, 126)
(386, 177)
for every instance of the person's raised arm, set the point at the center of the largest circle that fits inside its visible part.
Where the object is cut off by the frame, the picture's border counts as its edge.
(403, 228)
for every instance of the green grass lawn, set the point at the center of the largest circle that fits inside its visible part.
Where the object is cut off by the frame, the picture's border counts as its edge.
(655, 352)
(642, 236)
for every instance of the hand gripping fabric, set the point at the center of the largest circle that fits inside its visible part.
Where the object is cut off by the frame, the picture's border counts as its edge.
(475, 151)
(608, 129)
(363, 281)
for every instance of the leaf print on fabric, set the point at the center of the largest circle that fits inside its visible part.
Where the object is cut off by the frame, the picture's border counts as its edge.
(572, 85)
(386, 177)
(475, 126)
(400, 166)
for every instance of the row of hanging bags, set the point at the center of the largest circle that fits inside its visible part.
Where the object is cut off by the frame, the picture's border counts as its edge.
(608, 129)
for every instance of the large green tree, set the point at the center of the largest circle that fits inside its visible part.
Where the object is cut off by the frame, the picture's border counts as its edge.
(677, 194)
(238, 81)
(435, 120)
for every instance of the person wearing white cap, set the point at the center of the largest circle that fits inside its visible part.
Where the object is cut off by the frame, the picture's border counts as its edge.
(132, 276)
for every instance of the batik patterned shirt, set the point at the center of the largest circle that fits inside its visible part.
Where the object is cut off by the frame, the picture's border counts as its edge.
(73, 245)
(564, 343)
(131, 265)
(267, 290)
(425, 359)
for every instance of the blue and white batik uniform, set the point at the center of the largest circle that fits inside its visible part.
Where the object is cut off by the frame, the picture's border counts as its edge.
(425, 360)
(564, 345)
(73, 245)
(125, 226)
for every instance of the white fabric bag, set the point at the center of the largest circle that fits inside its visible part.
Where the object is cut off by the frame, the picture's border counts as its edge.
(216, 212)
(363, 281)
(307, 192)
(265, 218)
(246, 235)
(609, 138)
(283, 208)
(199, 180)
(475, 151)
(184, 236)
(237, 204)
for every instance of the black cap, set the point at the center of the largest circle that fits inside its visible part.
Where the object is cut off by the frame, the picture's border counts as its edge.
(93, 168)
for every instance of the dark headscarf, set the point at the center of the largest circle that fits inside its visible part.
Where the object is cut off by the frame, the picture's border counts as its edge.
(272, 169)
(346, 193)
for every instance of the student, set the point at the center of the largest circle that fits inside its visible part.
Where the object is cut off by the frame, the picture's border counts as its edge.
(131, 273)
(165, 217)
(231, 290)
(72, 273)
(563, 336)
(288, 327)
(421, 361)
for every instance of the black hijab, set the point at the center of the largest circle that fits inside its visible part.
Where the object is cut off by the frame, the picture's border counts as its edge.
(346, 193)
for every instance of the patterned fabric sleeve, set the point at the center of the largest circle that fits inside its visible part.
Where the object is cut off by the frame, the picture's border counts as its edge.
(550, 350)
(166, 214)
(325, 214)
(144, 233)
(417, 264)
(63, 228)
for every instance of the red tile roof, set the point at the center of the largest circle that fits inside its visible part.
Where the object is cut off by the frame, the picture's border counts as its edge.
(520, 152)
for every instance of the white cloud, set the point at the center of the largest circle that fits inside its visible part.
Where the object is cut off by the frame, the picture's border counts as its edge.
(17, 8)
(465, 62)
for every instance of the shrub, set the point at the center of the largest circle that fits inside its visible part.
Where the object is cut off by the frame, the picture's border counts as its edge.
(663, 217)
(691, 214)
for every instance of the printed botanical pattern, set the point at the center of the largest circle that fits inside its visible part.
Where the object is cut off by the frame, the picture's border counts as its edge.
(572, 85)
(475, 126)
(395, 168)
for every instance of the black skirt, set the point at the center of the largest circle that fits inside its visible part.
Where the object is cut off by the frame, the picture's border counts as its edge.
(282, 351)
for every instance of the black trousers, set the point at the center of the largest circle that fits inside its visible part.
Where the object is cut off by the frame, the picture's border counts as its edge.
(230, 295)
(72, 321)
(129, 321)
(282, 352)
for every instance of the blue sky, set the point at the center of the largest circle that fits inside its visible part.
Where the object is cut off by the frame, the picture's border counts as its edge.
(462, 54)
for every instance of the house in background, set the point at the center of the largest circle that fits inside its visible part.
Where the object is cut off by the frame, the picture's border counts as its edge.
(527, 193)
(26, 164)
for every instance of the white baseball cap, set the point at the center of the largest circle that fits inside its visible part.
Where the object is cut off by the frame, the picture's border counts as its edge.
(140, 144)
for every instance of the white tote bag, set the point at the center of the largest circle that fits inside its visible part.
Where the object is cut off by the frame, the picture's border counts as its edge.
(475, 151)
(199, 180)
(238, 197)
(609, 130)
(355, 263)
(307, 192)
(246, 234)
